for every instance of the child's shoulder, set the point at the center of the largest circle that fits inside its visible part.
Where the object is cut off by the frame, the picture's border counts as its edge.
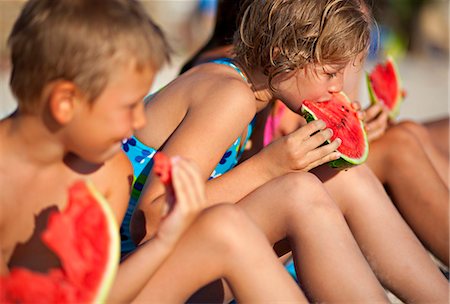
(218, 81)
(114, 181)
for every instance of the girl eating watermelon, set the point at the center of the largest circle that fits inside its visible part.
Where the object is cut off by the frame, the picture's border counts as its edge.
(292, 51)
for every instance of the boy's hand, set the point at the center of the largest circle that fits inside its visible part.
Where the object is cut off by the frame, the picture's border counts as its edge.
(189, 199)
(302, 150)
(376, 120)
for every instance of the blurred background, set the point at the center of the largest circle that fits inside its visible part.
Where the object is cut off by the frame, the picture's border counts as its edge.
(415, 32)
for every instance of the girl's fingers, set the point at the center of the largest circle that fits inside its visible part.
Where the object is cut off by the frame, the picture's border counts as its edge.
(356, 105)
(375, 135)
(379, 123)
(197, 185)
(321, 155)
(316, 140)
(372, 112)
(306, 131)
(325, 159)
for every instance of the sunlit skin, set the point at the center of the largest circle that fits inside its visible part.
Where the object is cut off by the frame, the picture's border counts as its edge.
(313, 82)
(71, 138)
(410, 192)
(68, 138)
(389, 257)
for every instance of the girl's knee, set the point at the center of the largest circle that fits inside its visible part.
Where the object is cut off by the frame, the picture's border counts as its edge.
(411, 126)
(305, 195)
(418, 131)
(301, 184)
(402, 143)
(226, 226)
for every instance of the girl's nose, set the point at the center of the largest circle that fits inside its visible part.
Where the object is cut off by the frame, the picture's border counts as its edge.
(337, 83)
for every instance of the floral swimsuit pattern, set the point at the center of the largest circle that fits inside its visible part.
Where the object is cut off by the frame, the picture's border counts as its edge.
(141, 157)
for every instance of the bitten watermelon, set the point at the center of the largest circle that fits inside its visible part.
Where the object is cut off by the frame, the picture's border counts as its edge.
(85, 237)
(163, 168)
(385, 86)
(340, 117)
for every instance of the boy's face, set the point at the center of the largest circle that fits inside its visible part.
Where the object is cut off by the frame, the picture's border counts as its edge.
(97, 129)
(315, 82)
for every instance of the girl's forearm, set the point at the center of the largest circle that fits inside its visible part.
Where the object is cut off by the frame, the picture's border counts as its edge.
(238, 182)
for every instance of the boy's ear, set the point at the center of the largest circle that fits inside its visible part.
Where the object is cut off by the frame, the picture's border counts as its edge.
(62, 100)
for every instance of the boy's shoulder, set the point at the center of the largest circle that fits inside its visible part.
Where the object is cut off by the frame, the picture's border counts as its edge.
(114, 181)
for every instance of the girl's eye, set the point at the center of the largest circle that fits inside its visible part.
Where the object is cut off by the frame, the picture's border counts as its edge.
(331, 75)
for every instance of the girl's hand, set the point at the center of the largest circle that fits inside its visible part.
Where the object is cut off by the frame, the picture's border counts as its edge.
(301, 150)
(376, 120)
(188, 200)
(357, 107)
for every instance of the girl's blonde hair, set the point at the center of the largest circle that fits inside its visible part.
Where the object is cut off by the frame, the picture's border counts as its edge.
(279, 36)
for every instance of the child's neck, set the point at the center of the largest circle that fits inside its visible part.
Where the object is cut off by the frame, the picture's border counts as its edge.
(260, 87)
(27, 133)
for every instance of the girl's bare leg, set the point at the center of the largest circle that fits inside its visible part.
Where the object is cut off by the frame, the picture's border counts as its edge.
(401, 164)
(330, 266)
(438, 156)
(395, 254)
(223, 242)
(438, 131)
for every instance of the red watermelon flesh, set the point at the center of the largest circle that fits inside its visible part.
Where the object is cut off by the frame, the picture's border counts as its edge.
(384, 86)
(163, 168)
(340, 117)
(85, 238)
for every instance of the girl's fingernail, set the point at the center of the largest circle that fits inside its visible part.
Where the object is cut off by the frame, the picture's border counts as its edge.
(339, 141)
(321, 124)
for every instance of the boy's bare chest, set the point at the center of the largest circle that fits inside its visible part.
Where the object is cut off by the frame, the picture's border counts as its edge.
(26, 201)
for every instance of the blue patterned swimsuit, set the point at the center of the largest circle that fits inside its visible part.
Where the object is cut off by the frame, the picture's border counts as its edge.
(141, 156)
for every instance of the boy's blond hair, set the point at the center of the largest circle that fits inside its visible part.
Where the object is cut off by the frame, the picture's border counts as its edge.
(282, 35)
(80, 41)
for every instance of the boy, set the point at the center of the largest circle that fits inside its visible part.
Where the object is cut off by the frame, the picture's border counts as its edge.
(80, 71)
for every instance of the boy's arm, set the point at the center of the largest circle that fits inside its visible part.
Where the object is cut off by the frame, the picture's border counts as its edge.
(137, 269)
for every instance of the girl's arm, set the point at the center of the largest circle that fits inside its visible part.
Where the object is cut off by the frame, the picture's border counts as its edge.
(211, 126)
(297, 151)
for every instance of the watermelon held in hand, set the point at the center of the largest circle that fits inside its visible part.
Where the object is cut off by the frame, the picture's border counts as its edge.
(340, 117)
(163, 168)
(385, 86)
(85, 237)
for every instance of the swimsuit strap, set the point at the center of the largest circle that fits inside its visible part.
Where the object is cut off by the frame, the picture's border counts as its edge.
(229, 62)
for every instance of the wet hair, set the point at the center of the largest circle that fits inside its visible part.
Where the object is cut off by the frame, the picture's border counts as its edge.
(279, 36)
(80, 41)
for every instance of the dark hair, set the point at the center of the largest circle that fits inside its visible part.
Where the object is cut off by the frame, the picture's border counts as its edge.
(226, 25)
(80, 41)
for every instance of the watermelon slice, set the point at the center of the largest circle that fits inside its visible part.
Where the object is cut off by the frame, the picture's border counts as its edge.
(340, 117)
(85, 237)
(384, 86)
(163, 168)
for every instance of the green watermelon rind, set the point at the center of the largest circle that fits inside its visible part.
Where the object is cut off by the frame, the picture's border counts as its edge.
(110, 270)
(343, 162)
(393, 113)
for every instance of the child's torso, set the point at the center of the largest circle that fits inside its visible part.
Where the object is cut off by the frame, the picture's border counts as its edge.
(28, 195)
(164, 117)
